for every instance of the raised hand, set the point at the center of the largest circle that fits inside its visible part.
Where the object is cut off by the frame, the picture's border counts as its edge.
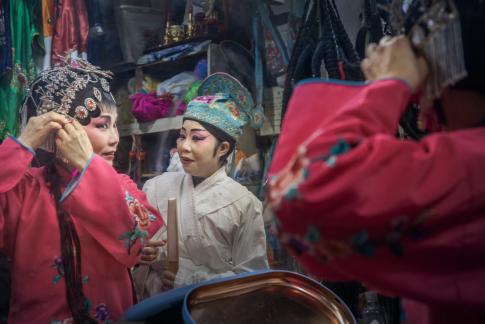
(74, 145)
(395, 58)
(40, 127)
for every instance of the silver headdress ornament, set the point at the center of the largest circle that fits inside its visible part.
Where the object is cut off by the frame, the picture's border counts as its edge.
(433, 26)
(75, 89)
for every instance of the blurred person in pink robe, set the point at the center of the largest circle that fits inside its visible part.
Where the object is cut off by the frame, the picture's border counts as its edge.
(406, 218)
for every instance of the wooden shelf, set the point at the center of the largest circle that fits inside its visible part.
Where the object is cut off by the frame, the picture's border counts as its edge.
(159, 125)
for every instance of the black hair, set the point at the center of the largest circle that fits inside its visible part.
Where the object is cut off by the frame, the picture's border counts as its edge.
(70, 251)
(221, 137)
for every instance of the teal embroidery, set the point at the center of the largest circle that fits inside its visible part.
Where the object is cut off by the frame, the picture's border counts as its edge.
(292, 193)
(131, 237)
(402, 227)
(341, 147)
(306, 173)
(331, 157)
(87, 305)
(59, 266)
(331, 161)
(312, 235)
(361, 244)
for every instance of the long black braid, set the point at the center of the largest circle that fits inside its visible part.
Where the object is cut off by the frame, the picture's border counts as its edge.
(70, 251)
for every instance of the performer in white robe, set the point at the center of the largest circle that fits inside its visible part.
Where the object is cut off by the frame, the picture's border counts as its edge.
(220, 224)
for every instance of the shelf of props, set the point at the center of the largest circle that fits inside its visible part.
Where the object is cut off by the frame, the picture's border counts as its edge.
(159, 125)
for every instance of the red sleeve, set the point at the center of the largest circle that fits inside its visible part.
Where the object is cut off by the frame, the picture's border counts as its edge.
(113, 210)
(15, 162)
(354, 202)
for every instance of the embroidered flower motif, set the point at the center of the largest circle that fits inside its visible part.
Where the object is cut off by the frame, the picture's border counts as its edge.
(330, 158)
(102, 312)
(361, 244)
(312, 234)
(59, 266)
(312, 244)
(205, 99)
(299, 246)
(131, 237)
(68, 320)
(232, 108)
(403, 227)
(327, 250)
(242, 98)
(287, 182)
(141, 217)
(139, 212)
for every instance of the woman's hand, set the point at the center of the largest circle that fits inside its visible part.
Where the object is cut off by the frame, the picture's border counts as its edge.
(150, 251)
(394, 58)
(168, 279)
(74, 145)
(40, 127)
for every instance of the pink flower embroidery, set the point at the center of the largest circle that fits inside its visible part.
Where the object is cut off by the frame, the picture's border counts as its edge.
(140, 213)
(288, 179)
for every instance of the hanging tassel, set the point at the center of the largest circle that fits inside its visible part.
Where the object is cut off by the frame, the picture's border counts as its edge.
(438, 34)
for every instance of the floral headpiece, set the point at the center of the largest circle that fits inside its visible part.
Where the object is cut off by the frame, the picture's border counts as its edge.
(75, 89)
(224, 103)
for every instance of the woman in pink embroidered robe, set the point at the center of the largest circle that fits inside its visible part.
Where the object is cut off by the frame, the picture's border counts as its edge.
(355, 203)
(111, 216)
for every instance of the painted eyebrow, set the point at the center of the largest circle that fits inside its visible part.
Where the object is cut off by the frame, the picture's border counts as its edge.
(105, 117)
(196, 129)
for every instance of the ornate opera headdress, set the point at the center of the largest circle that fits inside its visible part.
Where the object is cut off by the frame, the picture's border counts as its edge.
(434, 29)
(225, 103)
(75, 89)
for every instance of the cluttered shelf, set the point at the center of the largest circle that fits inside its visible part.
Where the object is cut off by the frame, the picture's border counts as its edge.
(173, 59)
(159, 125)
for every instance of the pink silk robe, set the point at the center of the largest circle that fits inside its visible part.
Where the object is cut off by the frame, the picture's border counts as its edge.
(355, 203)
(107, 208)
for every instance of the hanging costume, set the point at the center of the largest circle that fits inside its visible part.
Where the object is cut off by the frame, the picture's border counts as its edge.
(71, 30)
(221, 230)
(13, 83)
(43, 62)
(5, 38)
(111, 217)
(355, 203)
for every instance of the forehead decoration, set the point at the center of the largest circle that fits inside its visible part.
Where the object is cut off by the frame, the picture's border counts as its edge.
(72, 89)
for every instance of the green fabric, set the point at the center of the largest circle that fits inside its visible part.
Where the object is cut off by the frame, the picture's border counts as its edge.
(13, 84)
